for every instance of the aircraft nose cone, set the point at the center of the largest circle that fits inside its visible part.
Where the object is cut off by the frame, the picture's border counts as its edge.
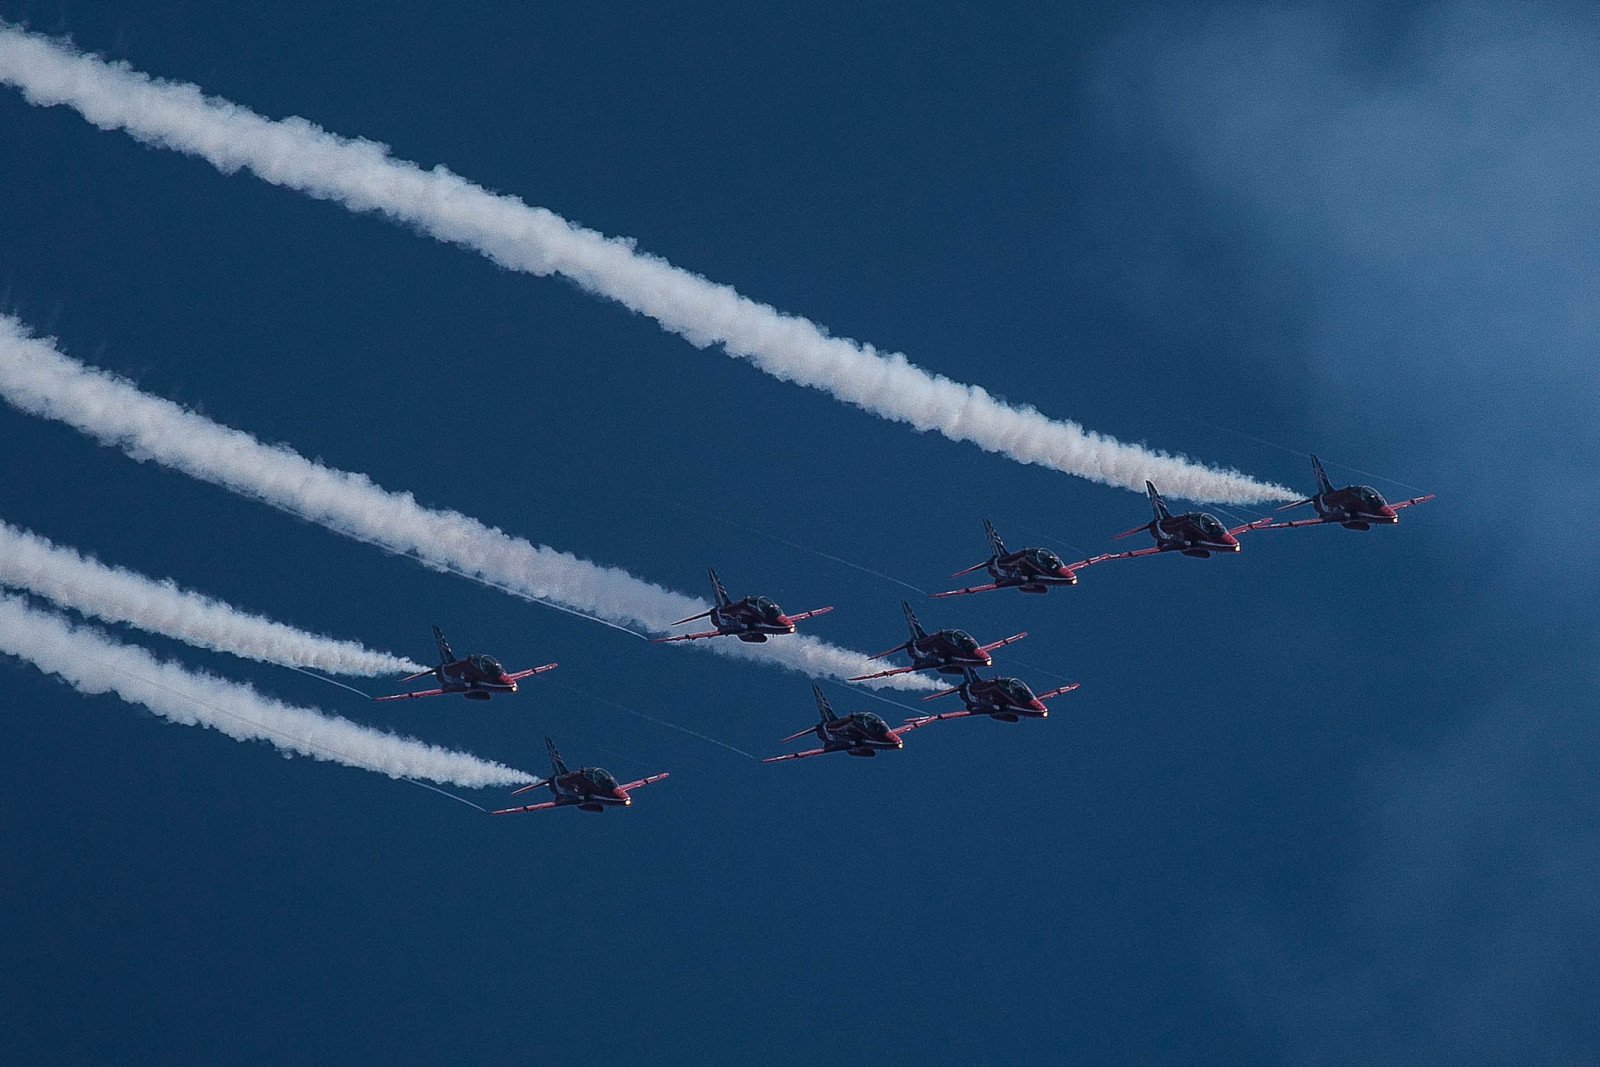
(1044, 712)
(898, 741)
(624, 797)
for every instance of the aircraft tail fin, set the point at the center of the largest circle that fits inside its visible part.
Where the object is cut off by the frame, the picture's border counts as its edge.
(557, 766)
(1157, 505)
(823, 707)
(1323, 485)
(917, 632)
(445, 655)
(723, 600)
(997, 546)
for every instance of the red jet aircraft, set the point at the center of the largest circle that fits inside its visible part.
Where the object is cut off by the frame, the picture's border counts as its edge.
(1005, 699)
(860, 733)
(1033, 570)
(750, 619)
(475, 677)
(1193, 534)
(1355, 507)
(947, 651)
(587, 788)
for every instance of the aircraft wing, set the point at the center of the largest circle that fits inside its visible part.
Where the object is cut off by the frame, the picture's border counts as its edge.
(883, 674)
(629, 787)
(1058, 692)
(415, 696)
(795, 755)
(1109, 556)
(520, 675)
(546, 806)
(531, 785)
(1284, 525)
(969, 570)
(1412, 502)
(1002, 643)
(684, 637)
(810, 614)
(920, 721)
(1263, 524)
(969, 589)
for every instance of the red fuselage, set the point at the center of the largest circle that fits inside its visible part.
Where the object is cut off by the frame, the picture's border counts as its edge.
(590, 789)
(1357, 507)
(1008, 699)
(859, 733)
(752, 619)
(948, 652)
(1194, 534)
(476, 677)
(1033, 570)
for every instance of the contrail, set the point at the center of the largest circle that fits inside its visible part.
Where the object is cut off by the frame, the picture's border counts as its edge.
(362, 176)
(38, 379)
(93, 663)
(114, 594)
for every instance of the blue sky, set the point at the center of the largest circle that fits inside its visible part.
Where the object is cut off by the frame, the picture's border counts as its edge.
(1333, 795)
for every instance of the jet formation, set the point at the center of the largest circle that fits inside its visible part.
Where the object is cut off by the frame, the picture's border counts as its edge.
(953, 652)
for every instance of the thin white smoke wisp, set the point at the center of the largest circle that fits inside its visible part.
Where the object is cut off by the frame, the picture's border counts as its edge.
(92, 663)
(114, 594)
(362, 176)
(659, 722)
(38, 379)
(330, 681)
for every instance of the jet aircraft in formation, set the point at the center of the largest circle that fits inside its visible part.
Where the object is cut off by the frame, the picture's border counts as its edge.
(946, 651)
(1355, 507)
(1032, 570)
(753, 619)
(862, 733)
(592, 789)
(476, 677)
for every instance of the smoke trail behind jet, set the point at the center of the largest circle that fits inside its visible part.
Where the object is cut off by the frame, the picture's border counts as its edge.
(93, 663)
(114, 594)
(362, 176)
(36, 378)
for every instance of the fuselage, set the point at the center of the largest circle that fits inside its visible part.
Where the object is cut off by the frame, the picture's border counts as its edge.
(754, 618)
(1033, 570)
(1195, 534)
(1002, 698)
(948, 651)
(1357, 507)
(589, 789)
(475, 676)
(859, 733)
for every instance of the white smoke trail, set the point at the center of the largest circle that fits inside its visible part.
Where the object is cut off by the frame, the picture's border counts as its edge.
(114, 594)
(36, 378)
(93, 663)
(363, 176)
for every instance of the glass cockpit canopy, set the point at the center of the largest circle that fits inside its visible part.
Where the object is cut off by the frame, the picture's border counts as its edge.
(487, 664)
(873, 724)
(1042, 558)
(964, 641)
(1015, 690)
(600, 778)
(1369, 498)
(1210, 526)
(766, 608)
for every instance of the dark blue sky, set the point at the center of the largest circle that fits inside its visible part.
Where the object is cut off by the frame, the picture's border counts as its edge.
(1332, 798)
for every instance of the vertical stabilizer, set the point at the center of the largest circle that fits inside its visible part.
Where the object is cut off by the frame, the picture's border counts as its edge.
(1323, 485)
(997, 546)
(1157, 505)
(723, 599)
(557, 767)
(917, 632)
(445, 655)
(823, 707)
